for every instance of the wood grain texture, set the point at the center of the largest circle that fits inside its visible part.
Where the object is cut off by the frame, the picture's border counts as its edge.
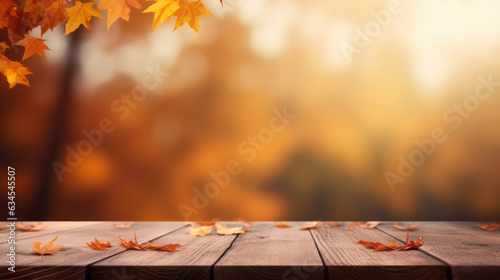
(49, 229)
(70, 262)
(344, 259)
(471, 252)
(268, 252)
(192, 261)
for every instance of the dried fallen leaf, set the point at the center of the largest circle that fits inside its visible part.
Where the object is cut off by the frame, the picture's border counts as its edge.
(37, 227)
(377, 246)
(126, 225)
(245, 222)
(310, 225)
(97, 245)
(224, 230)
(200, 230)
(354, 224)
(491, 227)
(370, 224)
(166, 247)
(46, 249)
(400, 227)
(131, 244)
(208, 223)
(334, 224)
(282, 225)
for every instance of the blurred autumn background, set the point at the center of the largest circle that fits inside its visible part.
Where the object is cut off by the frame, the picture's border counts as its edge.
(354, 118)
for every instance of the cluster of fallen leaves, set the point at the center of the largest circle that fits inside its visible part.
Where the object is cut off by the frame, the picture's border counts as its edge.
(377, 246)
(133, 244)
(21, 17)
(202, 228)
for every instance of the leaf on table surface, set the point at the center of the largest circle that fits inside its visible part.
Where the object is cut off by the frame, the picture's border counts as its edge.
(378, 246)
(164, 10)
(354, 224)
(400, 227)
(37, 227)
(46, 249)
(97, 245)
(224, 230)
(118, 9)
(80, 13)
(208, 223)
(166, 247)
(126, 225)
(370, 224)
(333, 224)
(491, 227)
(310, 225)
(200, 230)
(189, 12)
(32, 45)
(245, 222)
(282, 225)
(131, 244)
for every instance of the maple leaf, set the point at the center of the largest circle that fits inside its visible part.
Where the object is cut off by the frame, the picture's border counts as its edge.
(369, 224)
(32, 45)
(400, 227)
(97, 245)
(224, 230)
(491, 227)
(189, 12)
(334, 224)
(126, 225)
(37, 227)
(164, 10)
(200, 230)
(282, 225)
(46, 249)
(79, 14)
(55, 13)
(11, 20)
(118, 9)
(3, 47)
(131, 244)
(245, 222)
(377, 246)
(166, 247)
(310, 225)
(354, 224)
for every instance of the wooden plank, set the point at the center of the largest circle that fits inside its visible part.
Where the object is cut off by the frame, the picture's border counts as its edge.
(71, 261)
(471, 252)
(344, 259)
(49, 229)
(268, 252)
(192, 261)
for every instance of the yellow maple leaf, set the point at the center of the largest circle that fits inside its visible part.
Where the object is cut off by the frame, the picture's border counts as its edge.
(80, 13)
(14, 71)
(118, 9)
(164, 10)
(46, 249)
(190, 12)
(200, 230)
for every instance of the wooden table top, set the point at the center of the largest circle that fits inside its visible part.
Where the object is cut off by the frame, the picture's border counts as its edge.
(451, 250)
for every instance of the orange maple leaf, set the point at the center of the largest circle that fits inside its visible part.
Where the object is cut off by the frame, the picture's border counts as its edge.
(189, 12)
(166, 247)
(131, 244)
(80, 13)
(400, 227)
(491, 227)
(97, 245)
(377, 246)
(32, 45)
(46, 249)
(118, 9)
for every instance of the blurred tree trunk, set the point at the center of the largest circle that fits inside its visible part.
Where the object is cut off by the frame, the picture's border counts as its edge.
(45, 192)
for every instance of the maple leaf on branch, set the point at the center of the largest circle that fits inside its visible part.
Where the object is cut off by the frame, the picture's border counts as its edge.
(164, 10)
(32, 45)
(80, 13)
(118, 9)
(189, 12)
(14, 71)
